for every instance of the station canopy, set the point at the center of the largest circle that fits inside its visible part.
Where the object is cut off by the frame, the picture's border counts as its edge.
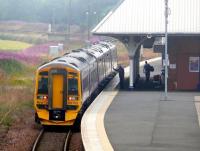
(143, 17)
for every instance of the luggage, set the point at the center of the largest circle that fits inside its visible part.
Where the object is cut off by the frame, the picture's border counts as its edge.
(151, 68)
(156, 78)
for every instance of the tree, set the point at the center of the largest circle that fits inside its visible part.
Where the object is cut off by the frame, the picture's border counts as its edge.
(54, 11)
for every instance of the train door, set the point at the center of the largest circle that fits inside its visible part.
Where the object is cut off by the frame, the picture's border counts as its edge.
(57, 89)
(57, 95)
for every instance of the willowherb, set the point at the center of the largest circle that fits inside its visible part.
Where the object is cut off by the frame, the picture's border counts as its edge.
(32, 55)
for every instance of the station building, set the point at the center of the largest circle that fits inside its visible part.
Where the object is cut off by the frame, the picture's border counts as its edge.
(184, 63)
(134, 22)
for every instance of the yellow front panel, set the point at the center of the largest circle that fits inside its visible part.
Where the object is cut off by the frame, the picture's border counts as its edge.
(57, 99)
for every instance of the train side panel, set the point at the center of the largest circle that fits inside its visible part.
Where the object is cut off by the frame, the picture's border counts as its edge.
(94, 77)
(85, 84)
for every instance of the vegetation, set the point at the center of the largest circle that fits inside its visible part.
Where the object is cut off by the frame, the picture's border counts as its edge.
(122, 54)
(27, 38)
(55, 11)
(13, 45)
(11, 66)
(13, 103)
(16, 89)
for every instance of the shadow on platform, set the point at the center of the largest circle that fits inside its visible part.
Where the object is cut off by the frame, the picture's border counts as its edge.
(143, 85)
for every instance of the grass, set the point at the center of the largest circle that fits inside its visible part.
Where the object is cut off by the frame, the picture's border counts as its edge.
(5, 111)
(13, 105)
(32, 38)
(16, 90)
(11, 66)
(14, 73)
(13, 45)
(122, 53)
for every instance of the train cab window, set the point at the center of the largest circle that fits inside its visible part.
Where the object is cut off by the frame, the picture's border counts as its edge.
(72, 86)
(44, 73)
(43, 86)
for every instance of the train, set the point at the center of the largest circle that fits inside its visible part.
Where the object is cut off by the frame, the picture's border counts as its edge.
(64, 86)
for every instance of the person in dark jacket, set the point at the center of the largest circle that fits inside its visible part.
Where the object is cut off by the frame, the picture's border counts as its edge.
(120, 69)
(147, 70)
(121, 76)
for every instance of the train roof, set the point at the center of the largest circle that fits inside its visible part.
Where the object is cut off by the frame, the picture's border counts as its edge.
(107, 44)
(81, 55)
(93, 53)
(77, 60)
(64, 61)
(99, 48)
(80, 58)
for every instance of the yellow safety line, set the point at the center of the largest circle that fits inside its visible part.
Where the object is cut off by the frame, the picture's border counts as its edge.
(106, 145)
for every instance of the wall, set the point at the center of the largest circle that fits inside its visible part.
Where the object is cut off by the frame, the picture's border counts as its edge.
(180, 49)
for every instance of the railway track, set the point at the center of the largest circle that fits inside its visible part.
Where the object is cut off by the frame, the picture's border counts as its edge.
(52, 141)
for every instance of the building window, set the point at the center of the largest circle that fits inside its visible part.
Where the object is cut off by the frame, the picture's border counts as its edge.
(193, 64)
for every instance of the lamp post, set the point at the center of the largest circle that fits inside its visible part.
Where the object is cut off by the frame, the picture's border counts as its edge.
(88, 25)
(69, 20)
(166, 43)
(94, 20)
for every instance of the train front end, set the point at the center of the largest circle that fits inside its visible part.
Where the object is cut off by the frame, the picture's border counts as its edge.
(57, 97)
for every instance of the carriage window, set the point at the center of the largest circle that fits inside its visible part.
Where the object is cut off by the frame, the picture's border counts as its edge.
(72, 86)
(43, 86)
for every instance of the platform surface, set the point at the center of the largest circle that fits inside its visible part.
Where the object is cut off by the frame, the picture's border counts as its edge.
(143, 121)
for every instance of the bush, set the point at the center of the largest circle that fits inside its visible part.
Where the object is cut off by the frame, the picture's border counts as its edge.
(11, 66)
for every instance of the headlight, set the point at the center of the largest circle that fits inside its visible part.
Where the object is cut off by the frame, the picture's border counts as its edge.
(42, 97)
(72, 98)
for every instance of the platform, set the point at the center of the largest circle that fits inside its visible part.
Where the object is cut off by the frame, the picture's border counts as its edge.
(142, 121)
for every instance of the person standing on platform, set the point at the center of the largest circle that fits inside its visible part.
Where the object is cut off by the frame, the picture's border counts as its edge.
(147, 69)
(120, 69)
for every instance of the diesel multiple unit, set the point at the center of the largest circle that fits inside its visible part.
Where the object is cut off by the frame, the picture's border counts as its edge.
(65, 84)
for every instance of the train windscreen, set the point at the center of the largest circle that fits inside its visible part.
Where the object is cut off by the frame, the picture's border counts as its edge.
(43, 86)
(72, 86)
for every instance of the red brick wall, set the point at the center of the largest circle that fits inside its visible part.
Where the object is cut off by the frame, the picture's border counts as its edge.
(180, 49)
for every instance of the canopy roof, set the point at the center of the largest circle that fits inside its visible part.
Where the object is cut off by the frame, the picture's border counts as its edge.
(138, 17)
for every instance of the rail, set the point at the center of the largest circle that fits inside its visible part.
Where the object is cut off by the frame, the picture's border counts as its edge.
(43, 142)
